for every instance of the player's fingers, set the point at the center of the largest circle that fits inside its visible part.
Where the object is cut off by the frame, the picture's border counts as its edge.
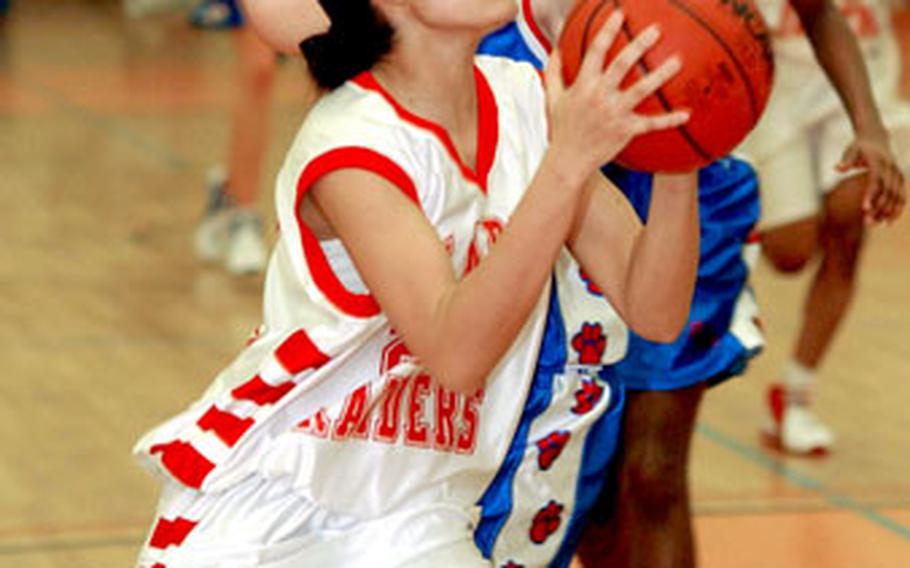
(648, 84)
(553, 75)
(596, 54)
(630, 55)
(849, 160)
(896, 194)
(650, 123)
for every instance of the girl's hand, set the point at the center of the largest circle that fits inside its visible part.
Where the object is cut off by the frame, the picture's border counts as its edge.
(593, 119)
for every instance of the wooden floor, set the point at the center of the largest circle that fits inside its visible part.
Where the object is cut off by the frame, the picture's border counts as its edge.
(108, 323)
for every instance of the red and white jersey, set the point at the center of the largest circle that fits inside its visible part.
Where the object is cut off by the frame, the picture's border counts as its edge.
(328, 394)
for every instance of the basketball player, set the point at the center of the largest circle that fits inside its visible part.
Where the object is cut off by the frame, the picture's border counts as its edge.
(231, 230)
(644, 518)
(327, 442)
(815, 197)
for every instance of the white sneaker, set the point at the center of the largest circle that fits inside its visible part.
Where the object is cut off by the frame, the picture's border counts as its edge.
(794, 428)
(211, 236)
(246, 252)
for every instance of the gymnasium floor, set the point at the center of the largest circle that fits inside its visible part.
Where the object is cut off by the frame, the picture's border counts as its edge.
(108, 324)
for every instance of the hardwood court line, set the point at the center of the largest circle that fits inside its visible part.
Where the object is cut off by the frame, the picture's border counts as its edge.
(803, 481)
(108, 124)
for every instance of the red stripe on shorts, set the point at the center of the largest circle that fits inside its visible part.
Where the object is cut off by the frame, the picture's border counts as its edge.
(170, 533)
(184, 462)
(260, 392)
(298, 353)
(225, 425)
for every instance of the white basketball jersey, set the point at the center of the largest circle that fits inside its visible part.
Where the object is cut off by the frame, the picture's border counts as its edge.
(328, 394)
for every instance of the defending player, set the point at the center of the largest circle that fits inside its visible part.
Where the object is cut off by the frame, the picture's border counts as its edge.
(327, 442)
(815, 195)
(647, 522)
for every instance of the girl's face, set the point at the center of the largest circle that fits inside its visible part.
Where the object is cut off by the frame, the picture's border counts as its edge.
(479, 15)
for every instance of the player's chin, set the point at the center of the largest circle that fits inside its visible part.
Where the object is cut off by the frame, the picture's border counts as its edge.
(501, 12)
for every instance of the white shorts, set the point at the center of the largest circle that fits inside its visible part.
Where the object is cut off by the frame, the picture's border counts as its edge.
(797, 175)
(265, 524)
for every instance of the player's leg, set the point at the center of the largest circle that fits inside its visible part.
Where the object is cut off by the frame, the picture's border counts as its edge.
(790, 220)
(827, 301)
(792, 227)
(835, 279)
(231, 230)
(645, 515)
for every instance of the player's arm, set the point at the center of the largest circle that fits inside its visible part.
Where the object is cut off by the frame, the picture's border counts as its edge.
(460, 328)
(647, 272)
(839, 54)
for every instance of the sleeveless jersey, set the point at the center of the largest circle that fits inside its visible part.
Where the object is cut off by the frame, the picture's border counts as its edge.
(328, 394)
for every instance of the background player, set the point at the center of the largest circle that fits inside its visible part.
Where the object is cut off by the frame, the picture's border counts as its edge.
(816, 196)
(231, 230)
(371, 190)
(647, 523)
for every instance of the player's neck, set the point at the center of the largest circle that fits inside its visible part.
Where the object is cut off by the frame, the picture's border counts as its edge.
(550, 16)
(435, 80)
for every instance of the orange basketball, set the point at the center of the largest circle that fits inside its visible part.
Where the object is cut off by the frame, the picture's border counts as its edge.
(728, 70)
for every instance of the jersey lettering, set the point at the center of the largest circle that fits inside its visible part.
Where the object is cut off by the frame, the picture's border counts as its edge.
(416, 430)
(354, 421)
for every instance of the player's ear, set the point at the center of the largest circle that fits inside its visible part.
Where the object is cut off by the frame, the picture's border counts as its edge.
(284, 24)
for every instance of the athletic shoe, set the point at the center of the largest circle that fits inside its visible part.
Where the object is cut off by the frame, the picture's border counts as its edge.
(216, 15)
(246, 252)
(229, 234)
(794, 428)
(211, 235)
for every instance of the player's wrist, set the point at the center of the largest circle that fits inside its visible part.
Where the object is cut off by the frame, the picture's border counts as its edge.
(566, 169)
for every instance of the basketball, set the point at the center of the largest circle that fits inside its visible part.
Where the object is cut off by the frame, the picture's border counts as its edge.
(728, 70)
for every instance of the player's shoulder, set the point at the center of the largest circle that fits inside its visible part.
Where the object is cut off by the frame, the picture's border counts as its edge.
(347, 115)
(507, 74)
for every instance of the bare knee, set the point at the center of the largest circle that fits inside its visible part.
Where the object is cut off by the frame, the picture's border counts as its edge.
(790, 247)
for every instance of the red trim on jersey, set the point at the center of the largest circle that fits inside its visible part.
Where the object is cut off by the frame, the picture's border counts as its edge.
(298, 353)
(528, 11)
(349, 157)
(184, 462)
(260, 392)
(487, 125)
(225, 425)
(170, 533)
(159, 565)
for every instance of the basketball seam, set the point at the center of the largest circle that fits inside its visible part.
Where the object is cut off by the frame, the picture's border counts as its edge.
(753, 99)
(662, 98)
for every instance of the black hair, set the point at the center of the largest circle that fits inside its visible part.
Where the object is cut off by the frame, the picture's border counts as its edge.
(358, 38)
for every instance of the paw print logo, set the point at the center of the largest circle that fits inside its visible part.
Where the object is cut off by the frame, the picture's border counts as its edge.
(702, 335)
(546, 522)
(550, 447)
(590, 286)
(590, 343)
(587, 397)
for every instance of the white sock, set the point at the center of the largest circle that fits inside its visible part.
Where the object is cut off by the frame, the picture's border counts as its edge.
(798, 380)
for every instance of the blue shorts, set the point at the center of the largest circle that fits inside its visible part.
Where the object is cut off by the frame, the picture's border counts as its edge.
(707, 349)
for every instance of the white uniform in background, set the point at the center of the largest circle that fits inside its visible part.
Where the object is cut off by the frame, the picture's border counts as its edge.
(325, 443)
(805, 130)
